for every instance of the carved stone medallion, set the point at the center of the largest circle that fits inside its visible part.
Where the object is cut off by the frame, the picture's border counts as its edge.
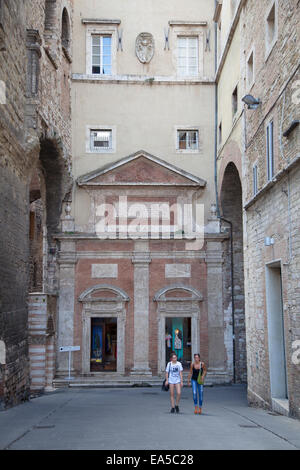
(144, 47)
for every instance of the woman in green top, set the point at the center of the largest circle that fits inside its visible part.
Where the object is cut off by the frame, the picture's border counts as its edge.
(196, 378)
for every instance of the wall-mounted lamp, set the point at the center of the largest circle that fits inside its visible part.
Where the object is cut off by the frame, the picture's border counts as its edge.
(269, 241)
(252, 102)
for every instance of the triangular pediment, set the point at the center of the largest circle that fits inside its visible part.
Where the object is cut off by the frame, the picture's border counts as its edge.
(140, 169)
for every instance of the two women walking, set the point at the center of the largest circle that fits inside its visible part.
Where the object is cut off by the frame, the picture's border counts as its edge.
(174, 379)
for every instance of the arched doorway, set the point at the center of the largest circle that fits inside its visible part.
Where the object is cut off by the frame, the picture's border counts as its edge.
(178, 308)
(103, 329)
(232, 217)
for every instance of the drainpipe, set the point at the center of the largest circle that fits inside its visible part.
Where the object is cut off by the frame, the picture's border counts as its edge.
(218, 207)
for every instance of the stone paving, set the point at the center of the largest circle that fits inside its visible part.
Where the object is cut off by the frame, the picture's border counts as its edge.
(139, 418)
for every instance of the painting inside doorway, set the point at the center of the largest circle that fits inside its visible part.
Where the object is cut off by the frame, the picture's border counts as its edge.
(104, 344)
(178, 336)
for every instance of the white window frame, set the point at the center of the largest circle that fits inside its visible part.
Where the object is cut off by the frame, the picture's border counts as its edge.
(101, 47)
(101, 30)
(270, 150)
(269, 45)
(255, 178)
(100, 127)
(188, 31)
(187, 129)
(187, 37)
(250, 84)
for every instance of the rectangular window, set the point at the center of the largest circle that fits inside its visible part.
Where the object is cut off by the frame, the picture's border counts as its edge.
(271, 29)
(187, 56)
(255, 180)
(270, 150)
(250, 70)
(101, 139)
(235, 101)
(220, 133)
(271, 26)
(101, 55)
(187, 140)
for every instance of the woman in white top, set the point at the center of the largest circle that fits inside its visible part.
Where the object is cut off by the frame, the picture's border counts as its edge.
(175, 380)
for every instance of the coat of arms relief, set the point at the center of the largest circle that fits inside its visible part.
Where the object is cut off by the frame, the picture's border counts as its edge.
(144, 47)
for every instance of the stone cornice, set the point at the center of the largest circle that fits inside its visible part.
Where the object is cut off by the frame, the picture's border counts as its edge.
(141, 258)
(100, 21)
(93, 236)
(187, 23)
(139, 80)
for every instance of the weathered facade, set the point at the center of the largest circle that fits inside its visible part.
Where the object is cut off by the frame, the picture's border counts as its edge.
(261, 155)
(229, 167)
(272, 207)
(140, 77)
(144, 206)
(35, 136)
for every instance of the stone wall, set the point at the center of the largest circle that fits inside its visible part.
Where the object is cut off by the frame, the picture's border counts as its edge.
(274, 210)
(34, 78)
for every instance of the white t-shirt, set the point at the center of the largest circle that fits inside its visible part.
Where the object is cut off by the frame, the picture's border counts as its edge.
(174, 369)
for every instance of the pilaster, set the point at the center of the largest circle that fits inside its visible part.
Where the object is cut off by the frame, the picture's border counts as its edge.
(141, 260)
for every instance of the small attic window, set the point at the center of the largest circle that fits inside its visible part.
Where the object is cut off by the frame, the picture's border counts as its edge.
(101, 139)
(65, 30)
(250, 70)
(235, 101)
(271, 28)
(271, 25)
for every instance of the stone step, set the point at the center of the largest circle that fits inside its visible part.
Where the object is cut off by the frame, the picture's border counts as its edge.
(112, 382)
(107, 383)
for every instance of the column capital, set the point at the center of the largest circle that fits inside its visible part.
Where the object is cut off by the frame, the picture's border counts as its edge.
(214, 258)
(67, 259)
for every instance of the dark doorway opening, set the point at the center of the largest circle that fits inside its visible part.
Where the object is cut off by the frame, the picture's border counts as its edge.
(104, 345)
(232, 211)
(178, 336)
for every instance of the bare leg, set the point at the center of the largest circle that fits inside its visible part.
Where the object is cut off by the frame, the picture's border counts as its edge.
(172, 387)
(178, 393)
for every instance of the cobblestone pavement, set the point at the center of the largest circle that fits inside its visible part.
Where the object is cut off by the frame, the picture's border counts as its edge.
(139, 418)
